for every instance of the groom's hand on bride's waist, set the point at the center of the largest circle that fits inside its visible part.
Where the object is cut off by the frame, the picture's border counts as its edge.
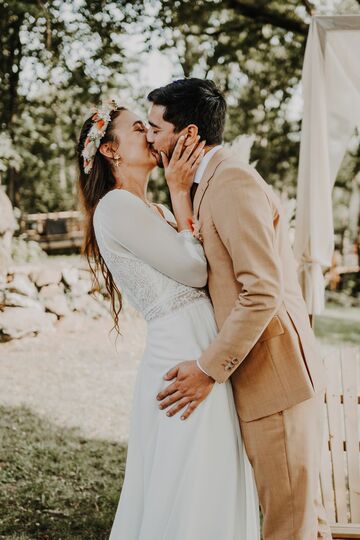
(190, 388)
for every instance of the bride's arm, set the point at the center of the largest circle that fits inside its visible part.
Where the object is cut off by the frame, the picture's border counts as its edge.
(126, 221)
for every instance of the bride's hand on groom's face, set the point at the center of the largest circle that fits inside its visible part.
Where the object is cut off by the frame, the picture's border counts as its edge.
(189, 389)
(181, 168)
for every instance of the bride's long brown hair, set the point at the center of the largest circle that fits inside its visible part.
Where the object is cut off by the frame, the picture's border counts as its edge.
(92, 187)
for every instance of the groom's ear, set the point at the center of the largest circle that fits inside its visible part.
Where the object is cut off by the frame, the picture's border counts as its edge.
(190, 133)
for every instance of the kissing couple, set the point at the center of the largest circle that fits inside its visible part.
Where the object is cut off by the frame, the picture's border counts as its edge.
(228, 403)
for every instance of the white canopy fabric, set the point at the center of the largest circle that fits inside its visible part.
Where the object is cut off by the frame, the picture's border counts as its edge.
(331, 93)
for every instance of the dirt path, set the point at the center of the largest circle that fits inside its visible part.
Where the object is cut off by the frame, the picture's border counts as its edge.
(74, 376)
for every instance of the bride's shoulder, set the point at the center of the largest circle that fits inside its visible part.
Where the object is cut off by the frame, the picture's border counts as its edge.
(117, 198)
(115, 195)
(116, 205)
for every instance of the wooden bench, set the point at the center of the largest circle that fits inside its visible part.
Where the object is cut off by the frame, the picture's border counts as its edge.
(340, 474)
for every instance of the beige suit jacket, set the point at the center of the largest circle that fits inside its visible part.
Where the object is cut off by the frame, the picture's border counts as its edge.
(265, 341)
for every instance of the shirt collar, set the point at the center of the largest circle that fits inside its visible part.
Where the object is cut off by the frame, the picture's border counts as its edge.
(204, 162)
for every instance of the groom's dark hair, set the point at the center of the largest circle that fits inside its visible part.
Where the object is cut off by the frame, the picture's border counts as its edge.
(193, 101)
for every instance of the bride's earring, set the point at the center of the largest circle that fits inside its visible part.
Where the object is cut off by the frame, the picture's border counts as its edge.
(117, 161)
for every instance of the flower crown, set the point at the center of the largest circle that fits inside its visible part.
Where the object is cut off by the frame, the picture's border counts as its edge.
(101, 119)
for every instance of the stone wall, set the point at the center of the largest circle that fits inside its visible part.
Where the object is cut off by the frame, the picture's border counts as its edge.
(33, 298)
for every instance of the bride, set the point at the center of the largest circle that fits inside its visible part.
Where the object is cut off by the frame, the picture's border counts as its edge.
(185, 479)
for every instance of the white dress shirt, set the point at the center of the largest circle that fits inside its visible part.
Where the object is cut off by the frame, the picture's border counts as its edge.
(204, 162)
(198, 176)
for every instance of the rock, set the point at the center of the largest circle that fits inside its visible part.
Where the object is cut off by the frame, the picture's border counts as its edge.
(85, 273)
(49, 291)
(13, 299)
(29, 269)
(57, 305)
(82, 287)
(99, 297)
(18, 322)
(53, 299)
(46, 276)
(88, 305)
(70, 276)
(72, 323)
(22, 284)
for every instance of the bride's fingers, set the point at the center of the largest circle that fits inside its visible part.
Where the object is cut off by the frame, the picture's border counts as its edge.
(178, 149)
(165, 160)
(197, 151)
(197, 161)
(189, 150)
(189, 410)
(180, 405)
(197, 156)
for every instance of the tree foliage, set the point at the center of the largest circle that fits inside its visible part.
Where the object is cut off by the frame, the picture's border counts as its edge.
(255, 52)
(57, 57)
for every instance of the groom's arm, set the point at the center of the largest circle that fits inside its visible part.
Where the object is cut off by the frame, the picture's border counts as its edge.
(245, 222)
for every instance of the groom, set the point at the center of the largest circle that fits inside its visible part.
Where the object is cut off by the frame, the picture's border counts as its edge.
(265, 343)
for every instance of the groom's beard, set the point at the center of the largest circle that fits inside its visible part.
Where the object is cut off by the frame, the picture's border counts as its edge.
(168, 153)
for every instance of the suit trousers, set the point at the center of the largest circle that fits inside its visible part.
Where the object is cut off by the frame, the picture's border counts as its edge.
(285, 452)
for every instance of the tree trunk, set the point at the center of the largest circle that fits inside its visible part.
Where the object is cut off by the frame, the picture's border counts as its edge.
(11, 185)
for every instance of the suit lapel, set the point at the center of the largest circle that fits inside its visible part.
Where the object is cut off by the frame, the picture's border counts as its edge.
(209, 172)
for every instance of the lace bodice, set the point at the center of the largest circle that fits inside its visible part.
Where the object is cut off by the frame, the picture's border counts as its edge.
(146, 256)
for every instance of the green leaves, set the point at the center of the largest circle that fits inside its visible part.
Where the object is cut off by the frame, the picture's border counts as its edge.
(57, 58)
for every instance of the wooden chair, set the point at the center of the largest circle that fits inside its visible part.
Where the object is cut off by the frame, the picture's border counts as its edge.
(340, 474)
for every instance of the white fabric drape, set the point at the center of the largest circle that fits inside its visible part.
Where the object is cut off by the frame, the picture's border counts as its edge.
(331, 93)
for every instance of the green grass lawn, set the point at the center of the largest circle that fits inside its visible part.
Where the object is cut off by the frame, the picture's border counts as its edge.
(339, 326)
(54, 484)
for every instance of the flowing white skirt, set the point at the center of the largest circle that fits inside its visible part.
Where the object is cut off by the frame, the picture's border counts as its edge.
(184, 479)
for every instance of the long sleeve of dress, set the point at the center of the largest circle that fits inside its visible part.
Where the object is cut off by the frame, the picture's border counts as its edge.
(126, 222)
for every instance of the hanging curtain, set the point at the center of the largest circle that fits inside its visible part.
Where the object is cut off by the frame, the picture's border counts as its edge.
(331, 94)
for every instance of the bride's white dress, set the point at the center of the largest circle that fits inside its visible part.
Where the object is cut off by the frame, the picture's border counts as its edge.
(184, 480)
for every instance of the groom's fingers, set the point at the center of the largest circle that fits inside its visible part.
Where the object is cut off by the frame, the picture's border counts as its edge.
(189, 410)
(167, 391)
(180, 405)
(171, 374)
(176, 396)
